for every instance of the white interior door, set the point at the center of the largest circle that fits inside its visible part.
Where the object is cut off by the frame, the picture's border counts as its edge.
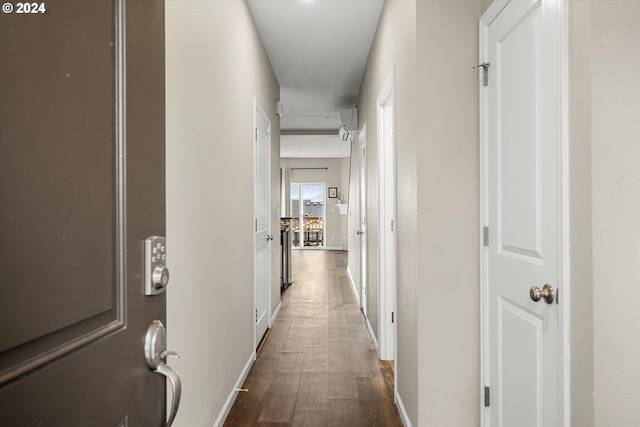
(262, 220)
(522, 202)
(387, 217)
(362, 140)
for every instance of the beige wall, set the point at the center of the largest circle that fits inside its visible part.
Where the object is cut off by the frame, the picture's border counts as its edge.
(394, 44)
(332, 177)
(615, 163)
(216, 65)
(448, 213)
(438, 227)
(580, 261)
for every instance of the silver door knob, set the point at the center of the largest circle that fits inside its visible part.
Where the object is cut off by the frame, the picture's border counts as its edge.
(547, 293)
(269, 237)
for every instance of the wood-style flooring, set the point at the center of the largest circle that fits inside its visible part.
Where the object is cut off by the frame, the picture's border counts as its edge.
(317, 366)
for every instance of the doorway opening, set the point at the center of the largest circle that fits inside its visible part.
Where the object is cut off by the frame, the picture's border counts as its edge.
(308, 213)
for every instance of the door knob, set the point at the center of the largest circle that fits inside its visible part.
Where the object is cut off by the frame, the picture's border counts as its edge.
(547, 293)
(155, 351)
(269, 237)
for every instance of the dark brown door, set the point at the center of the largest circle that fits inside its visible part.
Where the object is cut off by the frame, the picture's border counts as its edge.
(81, 186)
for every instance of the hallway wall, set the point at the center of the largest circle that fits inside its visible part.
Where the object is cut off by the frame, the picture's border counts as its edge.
(394, 44)
(448, 213)
(216, 65)
(437, 203)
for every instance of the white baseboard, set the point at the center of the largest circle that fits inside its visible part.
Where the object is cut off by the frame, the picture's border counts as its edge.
(234, 393)
(275, 314)
(332, 248)
(353, 285)
(403, 412)
(372, 335)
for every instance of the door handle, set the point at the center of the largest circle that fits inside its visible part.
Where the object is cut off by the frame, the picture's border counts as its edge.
(156, 354)
(547, 293)
(269, 237)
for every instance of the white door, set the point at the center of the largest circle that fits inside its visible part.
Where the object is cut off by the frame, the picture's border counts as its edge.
(262, 220)
(522, 170)
(362, 231)
(387, 217)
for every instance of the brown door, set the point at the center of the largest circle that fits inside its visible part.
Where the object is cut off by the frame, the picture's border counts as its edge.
(81, 186)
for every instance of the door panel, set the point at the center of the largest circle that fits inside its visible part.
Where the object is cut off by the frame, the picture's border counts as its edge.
(363, 219)
(262, 209)
(81, 186)
(523, 169)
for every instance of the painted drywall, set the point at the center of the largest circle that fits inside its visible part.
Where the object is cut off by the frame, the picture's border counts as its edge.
(332, 178)
(215, 66)
(615, 166)
(580, 227)
(393, 45)
(448, 213)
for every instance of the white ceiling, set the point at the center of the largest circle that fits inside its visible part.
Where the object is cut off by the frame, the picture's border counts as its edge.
(318, 50)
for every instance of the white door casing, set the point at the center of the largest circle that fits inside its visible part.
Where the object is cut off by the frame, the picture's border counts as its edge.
(362, 177)
(262, 220)
(523, 193)
(385, 104)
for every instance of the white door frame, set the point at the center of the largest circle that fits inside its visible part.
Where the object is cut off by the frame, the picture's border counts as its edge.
(362, 219)
(385, 106)
(258, 112)
(564, 349)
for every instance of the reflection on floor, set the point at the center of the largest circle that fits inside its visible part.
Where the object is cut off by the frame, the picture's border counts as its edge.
(317, 366)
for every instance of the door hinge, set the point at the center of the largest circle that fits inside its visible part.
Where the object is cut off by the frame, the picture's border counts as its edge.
(487, 400)
(391, 225)
(256, 224)
(256, 314)
(256, 136)
(485, 72)
(485, 236)
(392, 317)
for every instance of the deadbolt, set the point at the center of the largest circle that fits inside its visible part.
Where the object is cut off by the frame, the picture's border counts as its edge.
(547, 293)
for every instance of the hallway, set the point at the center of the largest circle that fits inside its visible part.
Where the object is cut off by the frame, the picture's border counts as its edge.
(317, 366)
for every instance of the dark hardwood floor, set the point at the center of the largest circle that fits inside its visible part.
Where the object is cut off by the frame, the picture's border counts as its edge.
(317, 366)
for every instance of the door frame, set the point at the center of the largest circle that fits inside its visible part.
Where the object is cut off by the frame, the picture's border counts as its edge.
(362, 218)
(258, 110)
(386, 221)
(564, 349)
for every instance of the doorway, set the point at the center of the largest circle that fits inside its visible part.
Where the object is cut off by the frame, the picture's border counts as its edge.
(308, 215)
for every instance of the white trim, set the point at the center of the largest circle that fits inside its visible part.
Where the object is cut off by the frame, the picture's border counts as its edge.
(387, 280)
(404, 417)
(222, 416)
(565, 267)
(333, 248)
(275, 314)
(353, 285)
(374, 341)
(564, 348)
